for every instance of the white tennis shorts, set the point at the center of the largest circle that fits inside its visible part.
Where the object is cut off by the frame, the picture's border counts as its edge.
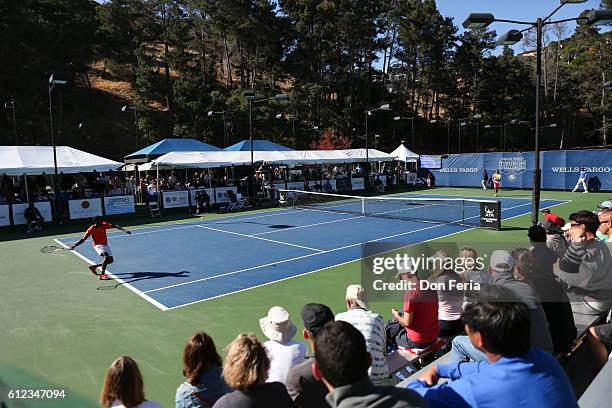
(103, 249)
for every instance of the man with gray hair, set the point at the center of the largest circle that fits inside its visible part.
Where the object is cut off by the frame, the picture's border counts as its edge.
(501, 268)
(371, 325)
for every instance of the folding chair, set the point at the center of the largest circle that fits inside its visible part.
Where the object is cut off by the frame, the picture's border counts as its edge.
(233, 201)
(240, 202)
(154, 209)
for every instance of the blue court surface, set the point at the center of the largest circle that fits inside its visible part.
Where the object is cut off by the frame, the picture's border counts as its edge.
(177, 265)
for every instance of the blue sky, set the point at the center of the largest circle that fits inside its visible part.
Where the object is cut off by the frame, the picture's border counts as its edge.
(524, 10)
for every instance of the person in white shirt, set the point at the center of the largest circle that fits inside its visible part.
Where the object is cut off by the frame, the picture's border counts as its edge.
(371, 325)
(123, 386)
(450, 301)
(283, 352)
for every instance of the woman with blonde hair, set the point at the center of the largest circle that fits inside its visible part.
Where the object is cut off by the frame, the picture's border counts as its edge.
(246, 370)
(123, 386)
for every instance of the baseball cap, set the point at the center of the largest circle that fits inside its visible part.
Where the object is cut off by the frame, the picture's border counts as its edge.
(315, 315)
(566, 226)
(501, 261)
(357, 293)
(545, 210)
(606, 205)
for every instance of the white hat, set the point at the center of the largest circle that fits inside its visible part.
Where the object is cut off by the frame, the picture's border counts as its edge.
(277, 325)
(357, 294)
(501, 261)
(566, 226)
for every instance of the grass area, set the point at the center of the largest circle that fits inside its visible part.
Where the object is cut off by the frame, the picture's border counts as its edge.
(58, 331)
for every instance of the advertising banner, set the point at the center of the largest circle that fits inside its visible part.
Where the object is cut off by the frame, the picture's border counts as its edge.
(175, 199)
(329, 185)
(490, 215)
(221, 194)
(295, 185)
(119, 205)
(5, 218)
(357, 184)
(87, 208)
(411, 178)
(343, 185)
(43, 206)
(209, 191)
(560, 169)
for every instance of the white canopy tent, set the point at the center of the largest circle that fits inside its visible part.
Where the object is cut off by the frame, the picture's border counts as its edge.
(295, 157)
(18, 160)
(402, 153)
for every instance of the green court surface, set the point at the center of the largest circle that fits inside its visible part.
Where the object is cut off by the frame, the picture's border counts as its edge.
(57, 331)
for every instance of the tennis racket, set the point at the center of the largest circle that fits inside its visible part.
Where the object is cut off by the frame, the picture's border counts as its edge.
(49, 249)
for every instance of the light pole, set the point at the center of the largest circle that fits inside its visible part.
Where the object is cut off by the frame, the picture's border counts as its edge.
(483, 20)
(501, 132)
(80, 127)
(249, 94)
(411, 119)
(11, 105)
(369, 112)
(461, 124)
(448, 129)
(606, 85)
(127, 108)
(213, 113)
(52, 83)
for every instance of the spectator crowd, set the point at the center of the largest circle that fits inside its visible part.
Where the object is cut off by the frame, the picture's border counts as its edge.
(502, 338)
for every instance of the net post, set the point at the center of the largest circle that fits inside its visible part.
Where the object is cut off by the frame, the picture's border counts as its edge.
(363, 206)
(462, 212)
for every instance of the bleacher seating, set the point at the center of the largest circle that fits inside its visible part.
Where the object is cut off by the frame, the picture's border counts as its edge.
(583, 322)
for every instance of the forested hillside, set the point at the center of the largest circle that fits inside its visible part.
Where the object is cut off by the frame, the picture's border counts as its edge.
(174, 61)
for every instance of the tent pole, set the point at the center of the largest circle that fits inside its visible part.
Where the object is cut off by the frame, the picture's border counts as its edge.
(25, 180)
(157, 184)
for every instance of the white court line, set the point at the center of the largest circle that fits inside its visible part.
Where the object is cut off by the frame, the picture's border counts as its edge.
(309, 225)
(262, 239)
(340, 264)
(288, 260)
(124, 283)
(194, 223)
(343, 219)
(309, 255)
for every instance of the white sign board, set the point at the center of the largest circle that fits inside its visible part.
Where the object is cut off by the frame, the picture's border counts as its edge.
(5, 218)
(221, 194)
(123, 204)
(87, 208)
(19, 209)
(295, 185)
(175, 199)
(358, 184)
(411, 178)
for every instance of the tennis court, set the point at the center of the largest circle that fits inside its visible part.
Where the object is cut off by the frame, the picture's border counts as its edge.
(179, 265)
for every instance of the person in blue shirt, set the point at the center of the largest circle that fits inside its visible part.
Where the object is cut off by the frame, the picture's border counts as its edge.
(582, 178)
(514, 375)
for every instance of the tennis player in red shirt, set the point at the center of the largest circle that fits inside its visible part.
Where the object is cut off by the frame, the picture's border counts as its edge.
(100, 243)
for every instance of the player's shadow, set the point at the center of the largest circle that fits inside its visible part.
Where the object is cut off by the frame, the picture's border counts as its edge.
(131, 277)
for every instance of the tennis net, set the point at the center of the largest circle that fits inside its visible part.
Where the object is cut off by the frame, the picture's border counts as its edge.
(460, 211)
